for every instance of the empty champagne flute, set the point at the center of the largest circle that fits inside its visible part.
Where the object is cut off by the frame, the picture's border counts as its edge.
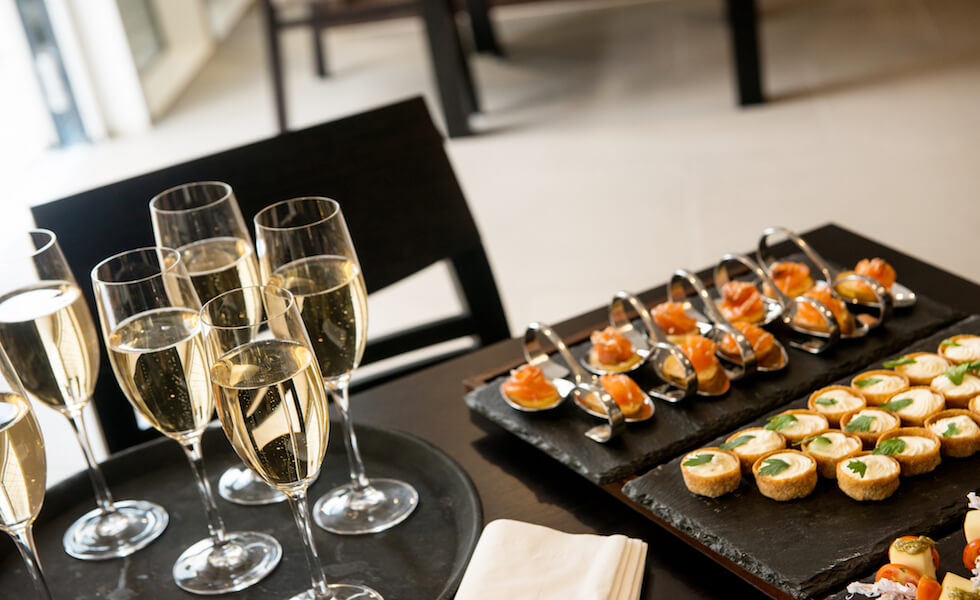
(47, 330)
(203, 222)
(150, 318)
(23, 471)
(305, 247)
(272, 405)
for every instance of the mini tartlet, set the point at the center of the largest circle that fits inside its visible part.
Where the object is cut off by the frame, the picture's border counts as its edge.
(807, 317)
(868, 476)
(797, 424)
(869, 423)
(716, 476)
(879, 385)
(915, 405)
(792, 278)
(974, 406)
(829, 448)
(784, 475)
(960, 348)
(528, 388)
(918, 451)
(958, 431)
(925, 367)
(751, 444)
(612, 352)
(835, 401)
(741, 302)
(712, 379)
(957, 396)
(673, 320)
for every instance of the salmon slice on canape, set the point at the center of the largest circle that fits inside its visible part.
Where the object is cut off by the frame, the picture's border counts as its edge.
(875, 268)
(712, 380)
(673, 320)
(810, 318)
(612, 352)
(792, 278)
(529, 389)
(741, 302)
(768, 352)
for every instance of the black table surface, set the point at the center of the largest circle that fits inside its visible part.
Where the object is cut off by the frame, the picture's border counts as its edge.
(516, 481)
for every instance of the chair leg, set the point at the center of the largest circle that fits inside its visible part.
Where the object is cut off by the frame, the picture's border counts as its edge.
(743, 24)
(318, 19)
(275, 62)
(449, 64)
(484, 35)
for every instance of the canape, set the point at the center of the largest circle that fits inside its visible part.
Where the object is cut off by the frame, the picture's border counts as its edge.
(711, 472)
(798, 424)
(960, 348)
(868, 476)
(792, 278)
(829, 448)
(785, 475)
(957, 395)
(869, 423)
(915, 448)
(920, 368)
(767, 352)
(875, 268)
(879, 385)
(712, 379)
(611, 351)
(741, 302)
(751, 444)
(623, 390)
(527, 387)
(807, 317)
(836, 401)
(958, 431)
(674, 321)
(915, 405)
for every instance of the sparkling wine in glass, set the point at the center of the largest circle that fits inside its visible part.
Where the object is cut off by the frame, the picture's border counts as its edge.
(150, 317)
(48, 333)
(305, 247)
(22, 471)
(203, 222)
(273, 407)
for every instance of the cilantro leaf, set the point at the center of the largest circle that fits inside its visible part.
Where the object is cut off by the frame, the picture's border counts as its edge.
(897, 404)
(825, 401)
(698, 460)
(861, 424)
(773, 466)
(889, 447)
(856, 466)
(951, 430)
(736, 442)
(905, 360)
(863, 383)
(780, 422)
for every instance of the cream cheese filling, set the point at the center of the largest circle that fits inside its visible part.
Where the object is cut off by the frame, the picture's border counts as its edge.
(885, 385)
(926, 366)
(839, 445)
(924, 402)
(917, 446)
(798, 465)
(966, 427)
(763, 442)
(877, 467)
(880, 421)
(968, 349)
(845, 401)
(805, 425)
(719, 463)
(969, 387)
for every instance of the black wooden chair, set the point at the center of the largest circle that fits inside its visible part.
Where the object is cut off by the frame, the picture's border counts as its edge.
(401, 199)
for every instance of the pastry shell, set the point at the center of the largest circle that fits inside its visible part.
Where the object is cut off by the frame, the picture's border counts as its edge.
(958, 446)
(870, 438)
(794, 438)
(834, 416)
(957, 399)
(784, 489)
(917, 421)
(827, 465)
(974, 406)
(864, 490)
(748, 459)
(873, 398)
(916, 464)
(901, 369)
(955, 338)
(714, 485)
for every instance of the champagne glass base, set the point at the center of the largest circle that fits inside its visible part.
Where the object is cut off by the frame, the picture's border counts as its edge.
(342, 591)
(239, 485)
(99, 536)
(245, 559)
(380, 506)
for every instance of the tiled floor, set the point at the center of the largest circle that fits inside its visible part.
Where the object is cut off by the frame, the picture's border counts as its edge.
(611, 152)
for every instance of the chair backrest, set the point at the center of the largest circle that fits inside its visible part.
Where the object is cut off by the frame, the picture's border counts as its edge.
(401, 199)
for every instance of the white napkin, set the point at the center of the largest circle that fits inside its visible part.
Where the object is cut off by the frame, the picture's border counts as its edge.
(522, 561)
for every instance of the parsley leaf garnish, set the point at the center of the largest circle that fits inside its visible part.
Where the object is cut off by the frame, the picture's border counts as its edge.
(951, 430)
(773, 466)
(861, 424)
(736, 442)
(955, 374)
(889, 447)
(858, 467)
(952, 343)
(905, 360)
(780, 422)
(863, 383)
(897, 404)
(816, 440)
(825, 401)
(698, 460)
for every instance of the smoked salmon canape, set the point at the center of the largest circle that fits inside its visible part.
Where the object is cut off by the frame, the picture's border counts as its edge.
(674, 321)
(769, 353)
(712, 380)
(630, 398)
(807, 317)
(611, 352)
(876, 269)
(792, 278)
(741, 302)
(528, 389)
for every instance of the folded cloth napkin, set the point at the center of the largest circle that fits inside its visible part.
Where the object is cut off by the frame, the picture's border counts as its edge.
(521, 561)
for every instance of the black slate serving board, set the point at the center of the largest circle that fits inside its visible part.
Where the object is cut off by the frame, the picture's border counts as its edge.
(816, 545)
(678, 427)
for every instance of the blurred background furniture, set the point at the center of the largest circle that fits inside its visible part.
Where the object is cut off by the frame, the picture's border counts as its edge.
(403, 204)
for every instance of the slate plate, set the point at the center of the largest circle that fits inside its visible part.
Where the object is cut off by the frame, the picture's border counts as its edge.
(818, 544)
(677, 427)
(424, 557)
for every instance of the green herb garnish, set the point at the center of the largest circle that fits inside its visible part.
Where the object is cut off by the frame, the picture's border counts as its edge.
(889, 447)
(780, 422)
(897, 404)
(956, 373)
(735, 443)
(698, 460)
(858, 467)
(773, 466)
(863, 383)
(952, 343)
(825, 401)
(861, 424)
(817, 440)
(916, 545)
(951, 430)
(905, 360)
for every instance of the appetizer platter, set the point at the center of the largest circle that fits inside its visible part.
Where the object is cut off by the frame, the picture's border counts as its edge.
(831, 502)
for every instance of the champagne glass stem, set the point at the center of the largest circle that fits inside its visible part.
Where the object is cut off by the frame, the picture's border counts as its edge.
(102, 495)
(216, 527)
(338, 390)
(24, 540)
(301, 512)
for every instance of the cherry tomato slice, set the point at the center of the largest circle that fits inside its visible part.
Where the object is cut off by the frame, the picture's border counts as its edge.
(898, 574)
(928, 589)
(970, 554)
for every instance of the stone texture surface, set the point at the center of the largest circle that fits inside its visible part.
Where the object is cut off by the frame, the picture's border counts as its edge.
(816, 545)
(678, 427)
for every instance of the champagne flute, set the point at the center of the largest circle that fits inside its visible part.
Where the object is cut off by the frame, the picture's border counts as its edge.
(203, 222)
(22, 471)
(150, 318)
(304, 246)
(272, 405)
(47, 330)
